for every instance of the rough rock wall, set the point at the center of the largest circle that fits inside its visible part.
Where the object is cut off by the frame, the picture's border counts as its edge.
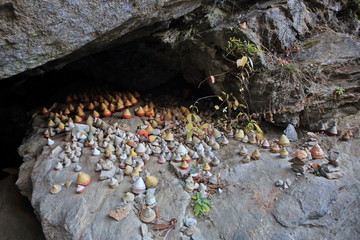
(309, 52)
(33, 33)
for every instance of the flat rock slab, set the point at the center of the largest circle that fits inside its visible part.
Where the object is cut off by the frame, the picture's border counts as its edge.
(250, 206)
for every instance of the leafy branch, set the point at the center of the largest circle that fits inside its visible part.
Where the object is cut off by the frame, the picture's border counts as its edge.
(202, 205)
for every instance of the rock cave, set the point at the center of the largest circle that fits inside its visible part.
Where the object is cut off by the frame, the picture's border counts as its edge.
(253, 134)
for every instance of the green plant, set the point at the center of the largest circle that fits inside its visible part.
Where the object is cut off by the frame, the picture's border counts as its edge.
(193, 126)
(202, 205)
(318, 173)
(339, 91)
(238, 47)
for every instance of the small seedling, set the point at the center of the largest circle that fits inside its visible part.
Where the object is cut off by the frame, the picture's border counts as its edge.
(340, 91)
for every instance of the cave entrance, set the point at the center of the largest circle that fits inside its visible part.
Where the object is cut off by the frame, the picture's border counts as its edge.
(145, 65)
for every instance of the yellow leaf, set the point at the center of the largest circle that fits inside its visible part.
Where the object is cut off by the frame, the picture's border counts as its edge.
(220, 98)
(189, 118)
(205, 125)
(189, 126)
(188, 135)
(236, 103)
(241, 62)
(216, 107)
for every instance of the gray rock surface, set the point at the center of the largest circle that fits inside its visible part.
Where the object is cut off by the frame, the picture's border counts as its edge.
(250, 207)
(34, 33)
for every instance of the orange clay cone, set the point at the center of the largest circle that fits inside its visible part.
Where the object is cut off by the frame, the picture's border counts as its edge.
(71, 108)
(151, 113)
(103, 106)
(64, 118)
(96, 114)
(61, 126)
(146, 108)
(68, 99)
(78, 119)
(80, 112)
(45, 112)
(75, 97)
(127, 114)
(140, 112)
(168, 116)
(112, 108)
(96, 103)
(151, 105)
(87, 99)
(67, 111)
(137, 94)
(184, 165)
(128, 103)
(133, 100)
(106, 113)
(51, 123)
(120, 106)
(91, 106)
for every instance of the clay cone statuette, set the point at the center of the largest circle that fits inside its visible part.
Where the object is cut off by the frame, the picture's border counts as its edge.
(140, 112)
(138, 186)
(55, 189)
(106, 113)
(78, 119)
(127, 114)
(284, 141)
(96, 114)
(345, 137)
(147, 215)
(243, 150)
(246, 159)
(239, 134)
(266, 144)
(332, 131)
(151, 181)
(184, 165)
(83, 179)
(300, 154)
(256, 155)
(80, 189)
(317, 152)
(169, 137)
(275, 148)
(284, 153)
(206, 167)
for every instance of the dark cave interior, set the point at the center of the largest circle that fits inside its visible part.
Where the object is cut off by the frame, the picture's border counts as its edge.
(145, 65)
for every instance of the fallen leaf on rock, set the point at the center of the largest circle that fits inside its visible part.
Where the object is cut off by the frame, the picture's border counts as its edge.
(120, 213)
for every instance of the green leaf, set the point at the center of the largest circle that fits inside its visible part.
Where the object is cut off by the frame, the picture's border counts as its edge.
(207, 201)
(197, 209)
(242, 62)
(205, 208)
(220, 98)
